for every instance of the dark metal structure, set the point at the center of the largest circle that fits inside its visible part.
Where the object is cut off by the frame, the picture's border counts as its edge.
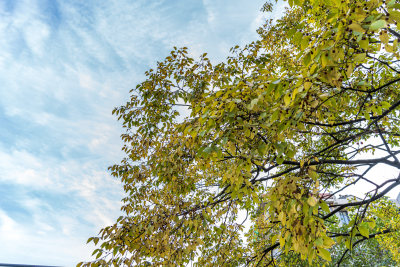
(23, 265)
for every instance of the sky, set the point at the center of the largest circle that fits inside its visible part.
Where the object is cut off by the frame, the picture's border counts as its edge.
(64, 65)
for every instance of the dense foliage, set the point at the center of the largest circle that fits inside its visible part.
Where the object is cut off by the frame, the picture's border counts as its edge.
(229, 164)
(379, 251)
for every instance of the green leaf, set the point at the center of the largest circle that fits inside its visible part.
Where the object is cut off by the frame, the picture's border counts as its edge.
(99, 254)
(297, 38)
(364, 231)
(290, 153)
(305, 42)
(391, 3)
(253, 103)
(376, 25)
(347, 243)
(319, 242)
(262, 148)
(360, 57)
(208, 150)
(307, 59)
(324, 206)
(367, 115)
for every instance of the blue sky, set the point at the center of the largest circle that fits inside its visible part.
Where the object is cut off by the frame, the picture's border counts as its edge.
(64, 65)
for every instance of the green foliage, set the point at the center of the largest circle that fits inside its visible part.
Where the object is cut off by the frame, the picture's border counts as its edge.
(281, 121)
(387, 216)
(365, 250)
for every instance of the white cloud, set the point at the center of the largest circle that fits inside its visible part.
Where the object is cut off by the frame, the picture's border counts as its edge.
(36, 33)
(9, 231)
(90, 201)
(39, 244)
(22, 168)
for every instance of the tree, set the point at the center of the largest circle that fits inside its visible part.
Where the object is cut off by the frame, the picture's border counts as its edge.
(365, 252)
(311, 107)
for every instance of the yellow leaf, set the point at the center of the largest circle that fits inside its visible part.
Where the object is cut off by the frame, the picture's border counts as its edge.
(312, 201)
(328, 242)
(324, 60)
(307, 85)
(286, 98)
(294, 93)
(323, 253)
(364, 43)
(364, 231)
(282, 217)
(384, 37)
(356, 27)
(389, 48)
(281, 241)
(296, 246)
(371, 224)
(350, 69)
(273, 239)
(395, 15)
(314, 103)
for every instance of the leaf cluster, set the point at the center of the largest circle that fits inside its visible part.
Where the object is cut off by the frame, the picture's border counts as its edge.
(280, 123)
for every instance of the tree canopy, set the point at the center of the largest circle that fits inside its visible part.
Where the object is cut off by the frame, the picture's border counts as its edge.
(230, 164)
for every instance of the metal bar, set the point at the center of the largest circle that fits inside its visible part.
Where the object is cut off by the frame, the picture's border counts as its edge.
(23, 265)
